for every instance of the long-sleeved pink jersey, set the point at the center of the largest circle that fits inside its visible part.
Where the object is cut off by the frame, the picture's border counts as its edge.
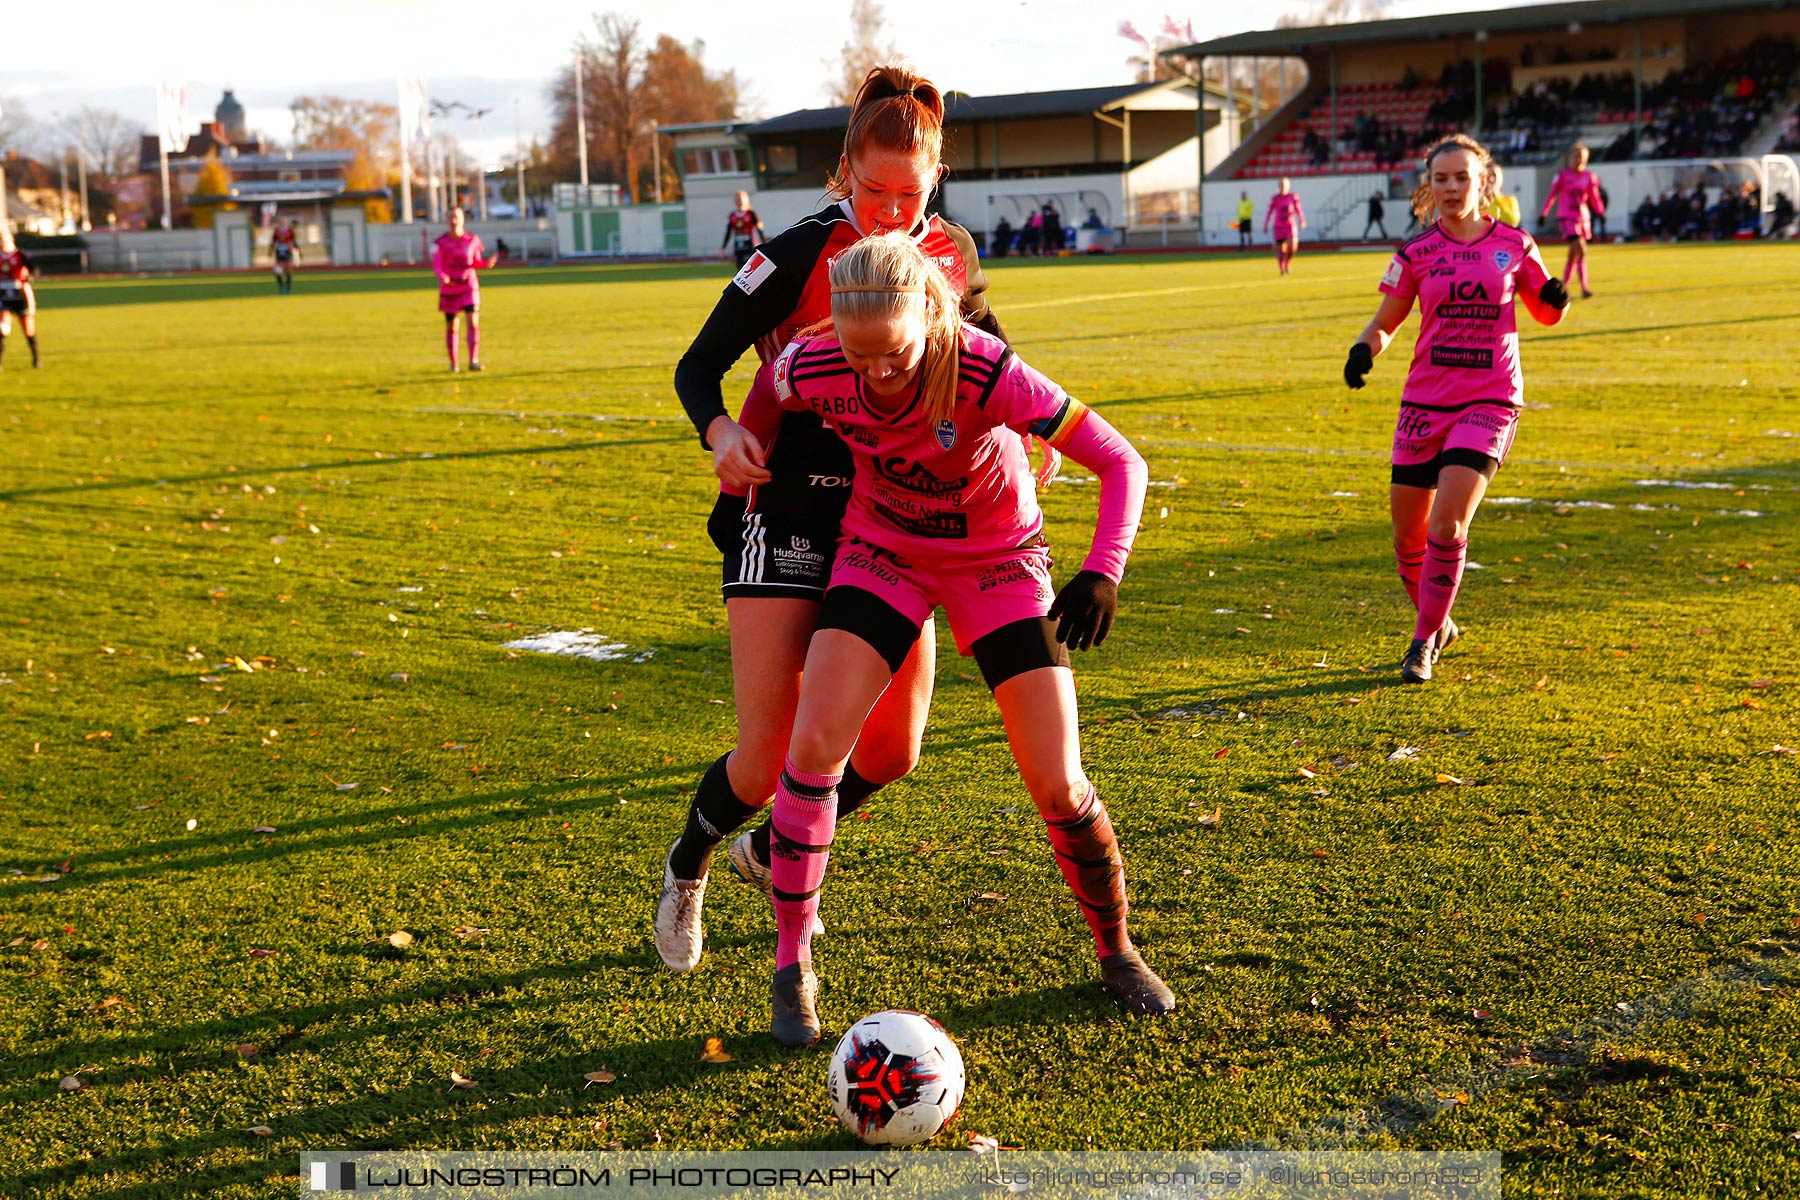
(961, 489)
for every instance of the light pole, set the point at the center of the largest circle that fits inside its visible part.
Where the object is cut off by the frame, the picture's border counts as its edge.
(475, 115)
(519, 157)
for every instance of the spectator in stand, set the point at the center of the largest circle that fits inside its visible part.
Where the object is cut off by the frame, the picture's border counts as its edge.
(1003, 236)
(1054, 237)
(1376, 212)
(1410, 80)
(1029, 235)
(1644, 220)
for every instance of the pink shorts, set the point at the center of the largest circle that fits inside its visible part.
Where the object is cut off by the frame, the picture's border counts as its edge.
(458, 300)
(1424, 437)
(1576, 227)
(1283, 232)
(978, 595)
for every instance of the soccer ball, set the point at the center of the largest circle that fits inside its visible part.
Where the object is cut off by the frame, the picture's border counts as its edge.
(896, 1078)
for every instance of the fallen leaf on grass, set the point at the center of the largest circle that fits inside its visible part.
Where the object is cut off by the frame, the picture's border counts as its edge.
(71, 1083)
(1402, 753)
(142, 807)
(262, 829)
(1606, 757)
(192, 824)
(261, 1131)
(1759, 684)
(990, 897)
(715, 1051)
(1222, 751)
(46, 879)
(465, 932)
(260, 953)
(456, 745)
(1542, 683)
(341, 787)
(248, 1049)
(1783, 750)
(400, 939)
(1753, 703)
(241, 665)
(594, 1077)
(980, 1143)
(462, 1081)
(112, 1002)
(199, 720)
(1212, 818)
(1450, 779)
(98, 735)
(1308, 773)
(1481, 1014)
(1452, 1097)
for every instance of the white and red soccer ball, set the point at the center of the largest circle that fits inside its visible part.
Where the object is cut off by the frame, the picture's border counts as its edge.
(896, 1078)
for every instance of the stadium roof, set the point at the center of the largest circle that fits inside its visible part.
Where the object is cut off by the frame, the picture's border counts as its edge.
(1496, 20)
(1070, 102)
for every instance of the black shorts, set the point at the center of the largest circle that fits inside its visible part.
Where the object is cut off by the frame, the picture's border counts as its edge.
(283, 255)
(15, 303)
(775, 554)
(1425, 474)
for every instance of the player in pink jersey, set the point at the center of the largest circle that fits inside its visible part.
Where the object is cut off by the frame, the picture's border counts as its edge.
(1574, 193)
(784, 485)
(1460, 406)
(943, 511)
(1288, 219)
(459, 254)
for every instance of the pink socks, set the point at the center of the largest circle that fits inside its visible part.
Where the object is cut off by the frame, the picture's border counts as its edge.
(805, 816)
(1437, 587)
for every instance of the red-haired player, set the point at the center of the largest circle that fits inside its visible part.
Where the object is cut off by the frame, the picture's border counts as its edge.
(1460, 407)
(17, 296)
(785, 487)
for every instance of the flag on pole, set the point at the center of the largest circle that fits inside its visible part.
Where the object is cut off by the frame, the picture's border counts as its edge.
(415, 113)
(171, 116)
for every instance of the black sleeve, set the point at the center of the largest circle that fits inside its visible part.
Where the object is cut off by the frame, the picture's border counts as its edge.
(975, 306)
(727, 240)
(739, 319)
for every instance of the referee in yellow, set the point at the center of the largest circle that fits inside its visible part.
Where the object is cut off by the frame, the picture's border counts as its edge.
(1246, 217)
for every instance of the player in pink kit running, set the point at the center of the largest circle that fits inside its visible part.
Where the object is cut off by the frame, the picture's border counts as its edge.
(1460, 406)
(459, 254)
(943, 511)
(1575, 193)
(1288, 220)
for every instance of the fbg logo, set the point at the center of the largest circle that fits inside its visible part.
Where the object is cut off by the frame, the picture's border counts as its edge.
(333, 1176)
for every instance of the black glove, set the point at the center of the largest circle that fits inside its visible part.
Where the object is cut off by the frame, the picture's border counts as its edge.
(1360, 363)
(1554, 293)
(1084, 609)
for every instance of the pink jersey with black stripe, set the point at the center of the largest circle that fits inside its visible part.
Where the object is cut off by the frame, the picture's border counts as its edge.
(949, 490)
(1573, 194)
(1468, 346)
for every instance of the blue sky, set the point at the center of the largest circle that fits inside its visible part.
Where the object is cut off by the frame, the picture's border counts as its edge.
(488, 54)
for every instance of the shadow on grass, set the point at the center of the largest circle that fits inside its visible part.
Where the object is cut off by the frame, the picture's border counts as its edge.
(244, 474)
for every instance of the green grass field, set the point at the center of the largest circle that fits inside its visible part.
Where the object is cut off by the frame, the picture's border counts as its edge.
(264, 553)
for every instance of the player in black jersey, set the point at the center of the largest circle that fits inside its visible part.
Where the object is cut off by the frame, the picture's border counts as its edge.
(743, 231)
(784, 491)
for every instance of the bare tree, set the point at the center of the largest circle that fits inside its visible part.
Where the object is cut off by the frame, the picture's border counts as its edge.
(18, 132)
(614, 68)
(867, 48)
(106, 139)
(1148, 65)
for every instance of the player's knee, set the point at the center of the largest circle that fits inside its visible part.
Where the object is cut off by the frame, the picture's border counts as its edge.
(1448, 528)
(818, 750)
(882, 760)
(754, 769)
(1057, 794)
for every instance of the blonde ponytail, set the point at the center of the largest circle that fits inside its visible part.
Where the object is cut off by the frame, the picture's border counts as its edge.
(882, 276)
